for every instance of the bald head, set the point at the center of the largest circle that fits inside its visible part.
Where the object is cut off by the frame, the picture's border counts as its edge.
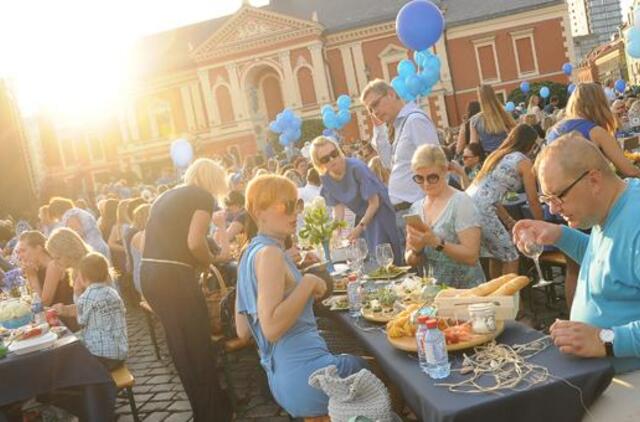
(571, 155)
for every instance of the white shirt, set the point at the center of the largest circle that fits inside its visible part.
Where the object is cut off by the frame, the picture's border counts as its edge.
(418, 130)
(308, 193)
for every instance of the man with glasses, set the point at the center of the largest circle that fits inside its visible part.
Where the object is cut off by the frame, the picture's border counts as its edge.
(578, 183)
(409, 127)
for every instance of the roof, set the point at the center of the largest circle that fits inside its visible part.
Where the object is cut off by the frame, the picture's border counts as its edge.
(170, 50)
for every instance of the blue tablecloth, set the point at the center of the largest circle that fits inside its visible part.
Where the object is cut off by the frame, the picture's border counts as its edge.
(67, 364)
(552, 401)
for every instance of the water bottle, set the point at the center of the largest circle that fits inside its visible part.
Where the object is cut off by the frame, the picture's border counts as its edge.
(434, 349)
(354, 296)
(421, 335)
(37, 308)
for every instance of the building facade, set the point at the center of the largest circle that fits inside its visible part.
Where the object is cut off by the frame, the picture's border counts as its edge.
(218, 83)
(593, 23)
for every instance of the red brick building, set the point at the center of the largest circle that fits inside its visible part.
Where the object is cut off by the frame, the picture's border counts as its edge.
(221, 81)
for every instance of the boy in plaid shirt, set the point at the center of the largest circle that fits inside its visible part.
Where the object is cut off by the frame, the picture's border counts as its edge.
(101, 313)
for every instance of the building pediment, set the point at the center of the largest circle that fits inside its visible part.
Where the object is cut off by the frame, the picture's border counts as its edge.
(251, 28)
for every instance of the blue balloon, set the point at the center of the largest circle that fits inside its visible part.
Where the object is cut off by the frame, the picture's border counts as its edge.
(344, 102)
(633, 34)
(567, 68)
(296, 134)
(406, 68)
(571, 88)
(398, 85)
(330, 120)
(275, 126)
(284, 139)
(432, 62)
(327, 132)
(419, 57)
(426, 90)
(524, 87)
(620, 85)
(181, 153)
(325, 109)
(510, 106)
(344, 117)
(296, 123)
(419, 24)
(287, 114)
(413, 84)
(633, 49)
(544, 92)
(430, 76)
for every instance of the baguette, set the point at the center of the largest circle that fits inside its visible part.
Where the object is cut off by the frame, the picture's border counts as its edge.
(485, 289)
(512, 287)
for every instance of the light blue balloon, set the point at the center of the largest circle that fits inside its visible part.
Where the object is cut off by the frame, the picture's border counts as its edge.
(413, 84)
(620, 85)
(296, 123)
(325, 109)
(426, 90)
(181, 153)
(633, 34)
(510, 106)
(330, 120)
(419, 57)
(344, 102)
(633, 49)
(432, 62)
(524, 86)
(275, 126)
(398, 85)
(406, 68)
(344, 117)
(430, 76)
(544, 92)
(567, 68)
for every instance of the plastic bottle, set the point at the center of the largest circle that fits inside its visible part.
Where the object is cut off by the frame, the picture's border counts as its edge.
(421, 334)
(354, 295)
(37, 308)
(435, 350)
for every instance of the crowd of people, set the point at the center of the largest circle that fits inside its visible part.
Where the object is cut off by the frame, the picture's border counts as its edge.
(242, 216)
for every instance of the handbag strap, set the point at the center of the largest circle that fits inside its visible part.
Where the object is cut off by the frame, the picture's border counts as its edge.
(214, 271)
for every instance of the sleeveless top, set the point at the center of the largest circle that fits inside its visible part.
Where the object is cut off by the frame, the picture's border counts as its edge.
(504, 178)
(583, 126)
(489, 141)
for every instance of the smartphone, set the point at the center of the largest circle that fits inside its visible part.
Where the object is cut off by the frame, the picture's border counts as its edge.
(414, 220)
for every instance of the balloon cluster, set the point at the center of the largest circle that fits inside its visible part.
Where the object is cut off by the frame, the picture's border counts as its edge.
(633, 39)
(288, 125)
(410, 83)
(181, 153)
(333, 120)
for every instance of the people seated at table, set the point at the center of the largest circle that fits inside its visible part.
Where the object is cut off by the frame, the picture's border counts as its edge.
(491, 126)
(275, 303)
(348, 183)
(80, 221)
(473, 157)
(449, 241)
(577, 182)
(44, 276)
(508, 169)
(588, 113)
(175, 244)
(101, 313)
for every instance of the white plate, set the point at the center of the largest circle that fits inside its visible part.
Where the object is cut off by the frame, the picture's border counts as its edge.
(33, 344)
(339, 269)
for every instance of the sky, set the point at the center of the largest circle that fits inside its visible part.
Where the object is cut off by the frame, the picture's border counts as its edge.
(69, 55)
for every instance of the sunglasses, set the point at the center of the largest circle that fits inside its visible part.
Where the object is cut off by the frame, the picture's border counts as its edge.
(333, 154)
(431, 179)
(558, 199)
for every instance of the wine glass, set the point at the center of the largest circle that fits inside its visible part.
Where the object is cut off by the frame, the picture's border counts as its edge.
(353, 257)
(362, 248)
(533, 250)
(384, 256)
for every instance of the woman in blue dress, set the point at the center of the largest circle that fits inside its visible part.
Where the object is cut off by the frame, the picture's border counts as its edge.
(348, 182)
(275, 303)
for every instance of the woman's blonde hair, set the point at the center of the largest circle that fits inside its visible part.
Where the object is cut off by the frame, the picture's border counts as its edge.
(376, 166)
(588, 101)
(429, 156)
(208, 175)
(66, 243)
(496, 118)
(141, 216)
(530, 104)
(264, 191)
(317, 143)
(122, 212)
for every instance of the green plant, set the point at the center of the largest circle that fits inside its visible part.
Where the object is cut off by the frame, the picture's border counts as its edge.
(557, 89)
(318, 225)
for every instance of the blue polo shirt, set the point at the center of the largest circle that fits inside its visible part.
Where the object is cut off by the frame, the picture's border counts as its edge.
(608, 290)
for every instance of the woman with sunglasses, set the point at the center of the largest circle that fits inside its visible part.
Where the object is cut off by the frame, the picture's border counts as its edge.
(348, 182)
(508, 169)
(449, 240)
(274, 302)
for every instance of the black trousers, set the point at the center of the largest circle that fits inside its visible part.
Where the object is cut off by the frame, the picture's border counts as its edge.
(174, 295)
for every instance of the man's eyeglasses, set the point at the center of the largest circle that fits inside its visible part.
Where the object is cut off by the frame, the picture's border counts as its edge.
(333, 154)
(558, 199)
(375, 103)
(431, 179)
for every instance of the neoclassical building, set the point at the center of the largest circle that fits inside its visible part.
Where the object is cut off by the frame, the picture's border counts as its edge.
(221, 81)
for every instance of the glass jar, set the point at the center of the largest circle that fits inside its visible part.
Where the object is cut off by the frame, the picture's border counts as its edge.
(482, 317)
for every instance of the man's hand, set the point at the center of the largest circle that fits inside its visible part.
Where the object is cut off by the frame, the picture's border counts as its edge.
(540, 232)
(577, 338)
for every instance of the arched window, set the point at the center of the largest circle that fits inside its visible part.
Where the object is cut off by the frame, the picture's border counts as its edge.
(161, 120)
(225, 106)
(272, 95)
(305, 82)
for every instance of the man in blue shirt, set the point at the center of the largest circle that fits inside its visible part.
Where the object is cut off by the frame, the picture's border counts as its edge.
(578, 183)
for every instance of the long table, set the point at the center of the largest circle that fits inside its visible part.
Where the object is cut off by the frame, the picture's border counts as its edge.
(553, 400)
(65, 365)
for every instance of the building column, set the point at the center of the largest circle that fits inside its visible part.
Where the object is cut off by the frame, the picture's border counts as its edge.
(201, 120)
(358, 60)
(187, 106)
(209, 102)
(319, 74)
(237, 96)
(290, 83)
(442, 108)
(347, 64)
(132, 119)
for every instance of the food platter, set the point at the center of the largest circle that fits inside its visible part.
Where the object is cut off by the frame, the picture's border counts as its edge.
(380, 317)
(408, 344)
(382, 274)
(337, 303)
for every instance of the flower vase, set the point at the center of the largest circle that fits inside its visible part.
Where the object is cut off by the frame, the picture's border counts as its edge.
(327, 255)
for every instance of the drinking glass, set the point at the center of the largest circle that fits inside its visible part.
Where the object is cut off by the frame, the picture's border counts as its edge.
(384, 256)
(533, 250)
(362, 248)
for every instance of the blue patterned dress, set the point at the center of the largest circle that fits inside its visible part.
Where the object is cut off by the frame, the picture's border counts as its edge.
(90, 230)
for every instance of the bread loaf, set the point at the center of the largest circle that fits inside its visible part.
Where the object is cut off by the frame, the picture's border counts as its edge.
(485, 289)
(512, 287)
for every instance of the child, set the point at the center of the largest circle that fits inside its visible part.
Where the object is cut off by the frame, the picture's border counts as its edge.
(101, 312)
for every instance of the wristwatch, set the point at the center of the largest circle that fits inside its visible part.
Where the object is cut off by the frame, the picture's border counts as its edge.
(440, 246)
(607, 336)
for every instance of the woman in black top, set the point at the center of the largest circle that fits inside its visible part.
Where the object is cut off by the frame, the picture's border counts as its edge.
(175, 244)
(464, 134)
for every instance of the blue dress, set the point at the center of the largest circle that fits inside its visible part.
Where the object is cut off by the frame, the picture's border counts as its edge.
(356, 187)
(583, 126)
(290, 361)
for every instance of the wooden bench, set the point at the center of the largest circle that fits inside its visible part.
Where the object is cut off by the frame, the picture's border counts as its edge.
(124, 381)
